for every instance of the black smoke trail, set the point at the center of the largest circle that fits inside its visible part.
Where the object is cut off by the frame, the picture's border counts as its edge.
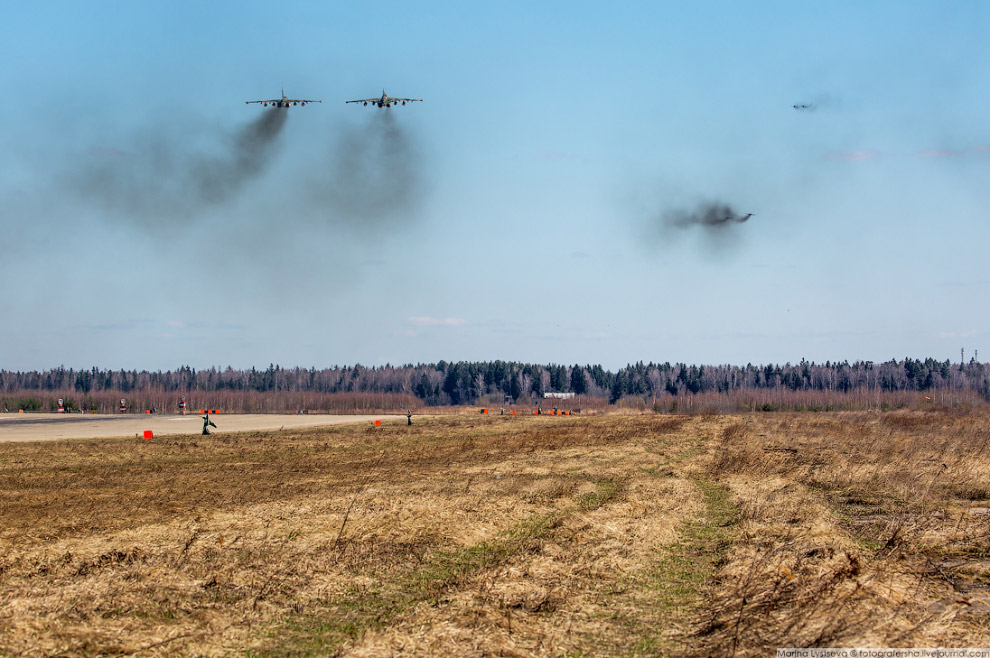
(712, 216)
(176, 174)
(374, 175)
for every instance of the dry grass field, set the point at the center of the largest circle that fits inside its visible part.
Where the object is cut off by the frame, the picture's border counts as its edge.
(610, 535)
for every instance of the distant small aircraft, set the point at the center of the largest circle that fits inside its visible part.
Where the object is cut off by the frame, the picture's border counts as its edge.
(386, 100)
(283, 102)
(804, 106)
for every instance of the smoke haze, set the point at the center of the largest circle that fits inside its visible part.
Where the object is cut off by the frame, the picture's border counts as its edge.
(708, 215)
(166, 175)
(713, 226)
(248, 153)
(374, 174)
(816, 102)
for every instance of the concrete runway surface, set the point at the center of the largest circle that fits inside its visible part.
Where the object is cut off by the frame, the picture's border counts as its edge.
(48, 426)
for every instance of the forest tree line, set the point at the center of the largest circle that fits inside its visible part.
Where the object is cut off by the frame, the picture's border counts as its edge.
(493, 382)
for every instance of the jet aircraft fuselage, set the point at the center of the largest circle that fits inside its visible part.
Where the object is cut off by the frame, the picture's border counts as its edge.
(386, 101)
(283, 102)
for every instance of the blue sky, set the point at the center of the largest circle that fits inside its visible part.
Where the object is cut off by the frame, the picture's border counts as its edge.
(520, 212)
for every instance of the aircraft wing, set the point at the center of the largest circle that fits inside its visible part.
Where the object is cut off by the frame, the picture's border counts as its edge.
(300, 100)
(365, 100)
(271, 101)
(408, 99)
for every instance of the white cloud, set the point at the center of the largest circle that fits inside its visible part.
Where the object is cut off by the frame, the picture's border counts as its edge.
(959, 334)
(424, 321)
(860, 155)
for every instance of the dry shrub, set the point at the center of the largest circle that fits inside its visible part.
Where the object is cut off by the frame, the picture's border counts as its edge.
(733, 432)
(906, 421)
(230, 401)
(970, 489)
(737, 450)
(668, 425)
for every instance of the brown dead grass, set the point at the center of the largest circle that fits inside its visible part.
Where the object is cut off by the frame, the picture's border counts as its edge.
(226, 544)
(536, 536)
(858, 529)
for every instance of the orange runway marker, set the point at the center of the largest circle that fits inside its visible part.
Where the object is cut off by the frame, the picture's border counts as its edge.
(148, 434)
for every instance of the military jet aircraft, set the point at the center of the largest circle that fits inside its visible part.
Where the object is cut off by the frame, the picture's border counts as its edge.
(804, 106)
(386, 100)
(718, 221)
(283, 102)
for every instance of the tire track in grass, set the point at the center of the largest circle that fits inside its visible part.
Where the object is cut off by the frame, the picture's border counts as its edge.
(346, 619)
(660, 612)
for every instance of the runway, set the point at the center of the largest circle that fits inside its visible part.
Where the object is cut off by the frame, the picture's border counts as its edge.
(50, 427)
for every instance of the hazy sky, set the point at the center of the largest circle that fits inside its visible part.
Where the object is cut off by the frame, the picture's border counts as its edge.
(536, 206)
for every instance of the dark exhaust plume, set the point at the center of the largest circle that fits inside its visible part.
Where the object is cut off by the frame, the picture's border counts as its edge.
(375, 174)
(170, 175)
(712, 216)
(249, 151)
(713, 225)
(818, 102)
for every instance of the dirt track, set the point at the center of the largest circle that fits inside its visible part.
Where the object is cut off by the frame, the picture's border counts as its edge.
(48, 427)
